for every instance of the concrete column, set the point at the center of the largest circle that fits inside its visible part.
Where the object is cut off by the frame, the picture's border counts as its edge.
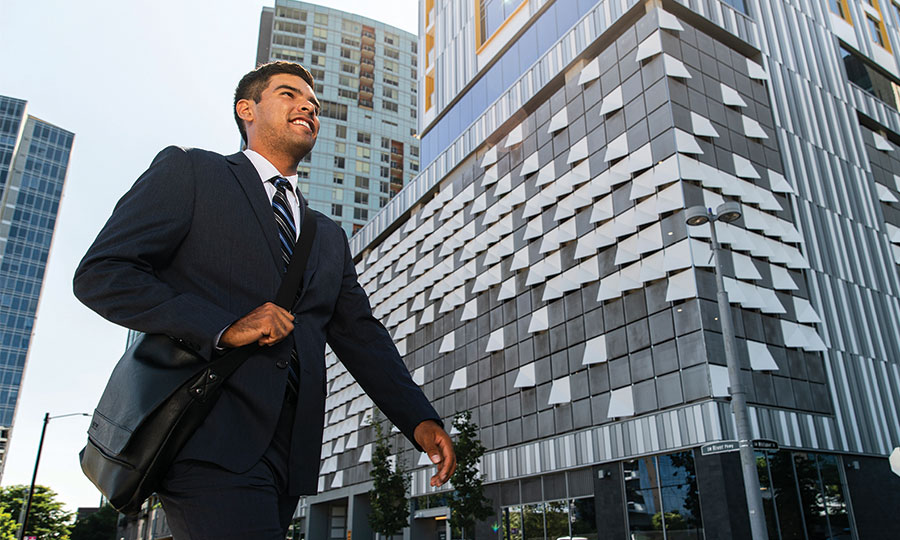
(317, 520)
(358, 517)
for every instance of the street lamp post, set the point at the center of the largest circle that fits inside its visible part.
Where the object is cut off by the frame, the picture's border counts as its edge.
(26, 508)
(726, 213)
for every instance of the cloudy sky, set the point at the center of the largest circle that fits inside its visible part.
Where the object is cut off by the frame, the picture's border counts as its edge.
(128, 78)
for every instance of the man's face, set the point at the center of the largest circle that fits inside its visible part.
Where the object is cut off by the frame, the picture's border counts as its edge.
(286, 118)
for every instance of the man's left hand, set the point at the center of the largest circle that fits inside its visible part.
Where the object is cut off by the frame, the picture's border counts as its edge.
(437, 444)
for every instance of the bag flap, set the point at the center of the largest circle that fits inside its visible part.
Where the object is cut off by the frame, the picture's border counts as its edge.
(150, 371)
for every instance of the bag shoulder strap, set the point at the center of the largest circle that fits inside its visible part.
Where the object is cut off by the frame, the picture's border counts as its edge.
(290, 284)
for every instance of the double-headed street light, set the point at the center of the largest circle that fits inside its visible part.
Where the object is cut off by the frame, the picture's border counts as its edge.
(728, 212)
(26, 508)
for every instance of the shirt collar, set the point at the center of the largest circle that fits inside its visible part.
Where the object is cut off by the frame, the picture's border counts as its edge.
(266, 170)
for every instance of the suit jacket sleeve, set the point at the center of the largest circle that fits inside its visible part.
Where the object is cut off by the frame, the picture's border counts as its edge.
(368, 351)
(118, 277)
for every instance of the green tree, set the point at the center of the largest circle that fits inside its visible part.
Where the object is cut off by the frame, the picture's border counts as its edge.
(101, 525)
(388, 498)
(8, 526)
(46, 520)
(468, 504)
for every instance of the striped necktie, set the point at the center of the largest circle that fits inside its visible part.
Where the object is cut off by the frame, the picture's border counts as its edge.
(287, 236)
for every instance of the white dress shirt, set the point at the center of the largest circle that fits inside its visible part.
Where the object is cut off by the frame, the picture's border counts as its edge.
(268, 171)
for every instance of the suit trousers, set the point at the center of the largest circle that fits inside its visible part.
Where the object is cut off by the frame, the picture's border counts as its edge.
(206, 502)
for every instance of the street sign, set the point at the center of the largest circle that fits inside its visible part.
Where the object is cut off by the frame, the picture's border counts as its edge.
(719, 447)
(765, 444)
(895, 461)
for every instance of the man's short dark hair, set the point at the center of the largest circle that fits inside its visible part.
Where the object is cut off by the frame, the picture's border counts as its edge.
(253, 84)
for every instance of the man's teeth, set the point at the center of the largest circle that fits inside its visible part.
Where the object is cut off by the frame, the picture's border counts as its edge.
(299, 122)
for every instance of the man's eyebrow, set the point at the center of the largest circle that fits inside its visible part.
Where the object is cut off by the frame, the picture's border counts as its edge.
(298, 91)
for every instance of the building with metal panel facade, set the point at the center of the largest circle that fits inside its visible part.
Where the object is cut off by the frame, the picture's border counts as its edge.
(539, 271)
(34, 158)
(365, 73)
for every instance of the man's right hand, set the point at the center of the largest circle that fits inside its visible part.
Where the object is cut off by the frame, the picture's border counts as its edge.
(267, 325)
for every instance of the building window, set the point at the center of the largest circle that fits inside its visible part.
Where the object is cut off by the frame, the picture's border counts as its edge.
(318, 74)
(340, 148)
(288, 41)
(362, 182)
(363, 167)
(363, 137)
(330, 109)
(391, 39)
(337, 194)
(348, 81)
(391, 93)
(413, 150)
(350, 94)
(392, 53)
(876, 31)
(363, 152)
(336, 209)
(412, 113)
(350, 26)
(317, 60)
(339, 162)
(384, 188)
(292, 28)
(318, 46)
(661, 494)
(348, 68)
(338, 178)
(385, 143)
(871, 79)
(385, 158)
(350, 41)
(302, 172)
(322, 19)
(390, 79)
(290, 13)
(490, 15)
(340, 131)
(360, 198)
(361, 214)
(385, 172)
(320, 33)
(839, 8)
(414, 47)
(390, 65)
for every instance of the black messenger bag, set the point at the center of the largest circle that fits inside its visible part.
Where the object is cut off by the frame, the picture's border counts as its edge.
(157, 396)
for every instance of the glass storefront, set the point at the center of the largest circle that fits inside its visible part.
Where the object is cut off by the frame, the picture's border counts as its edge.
(571, 518)
(662, 498)
(803, 496)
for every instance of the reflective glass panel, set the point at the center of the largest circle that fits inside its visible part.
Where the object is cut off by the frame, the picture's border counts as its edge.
(556, 516)
(512, 523)
(583, 515)
(768, 494)
(533, 521)
(781, 471)
(642, 499)
(835, 503)
(811, 500)
(680, 497)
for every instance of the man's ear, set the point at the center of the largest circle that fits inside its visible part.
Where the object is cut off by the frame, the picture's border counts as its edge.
(244, 110)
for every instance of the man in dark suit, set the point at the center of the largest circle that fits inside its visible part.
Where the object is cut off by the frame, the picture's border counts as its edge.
(193, 251)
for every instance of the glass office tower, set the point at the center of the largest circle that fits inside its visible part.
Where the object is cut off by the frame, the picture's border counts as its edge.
(34, 157)
(539, 271)
(365, 73)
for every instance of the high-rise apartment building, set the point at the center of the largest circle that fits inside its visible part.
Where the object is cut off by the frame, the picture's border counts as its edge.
(539, 271)
(34, 157)
(365, 73)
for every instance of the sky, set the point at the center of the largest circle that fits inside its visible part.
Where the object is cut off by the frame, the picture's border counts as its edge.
(128, 78)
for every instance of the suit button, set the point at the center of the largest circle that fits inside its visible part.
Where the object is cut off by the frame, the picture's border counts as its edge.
(281, 364)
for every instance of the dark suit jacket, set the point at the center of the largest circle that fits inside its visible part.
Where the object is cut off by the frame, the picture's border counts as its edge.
(192, 247)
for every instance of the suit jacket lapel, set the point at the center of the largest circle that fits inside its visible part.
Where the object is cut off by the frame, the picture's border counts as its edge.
(250, 182)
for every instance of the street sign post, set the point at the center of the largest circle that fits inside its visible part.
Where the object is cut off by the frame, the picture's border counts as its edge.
(719, 447)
